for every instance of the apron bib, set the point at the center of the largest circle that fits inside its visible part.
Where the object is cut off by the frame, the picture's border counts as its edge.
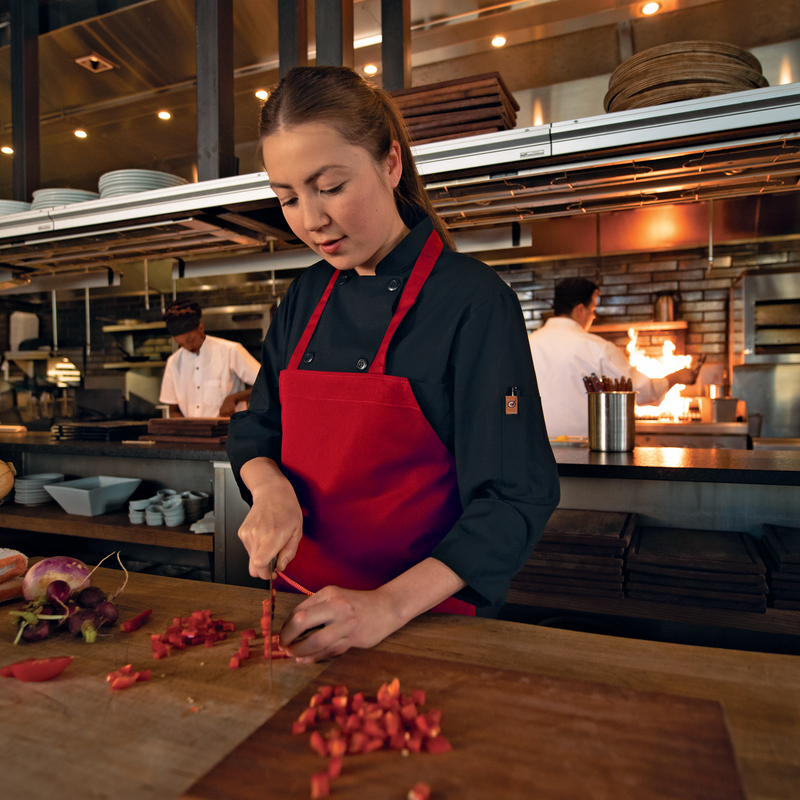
(377, 487)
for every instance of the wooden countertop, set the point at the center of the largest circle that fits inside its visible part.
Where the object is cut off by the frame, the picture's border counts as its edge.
(771, 467)
(73, 737)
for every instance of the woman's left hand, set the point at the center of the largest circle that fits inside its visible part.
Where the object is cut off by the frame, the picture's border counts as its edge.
(350, 619)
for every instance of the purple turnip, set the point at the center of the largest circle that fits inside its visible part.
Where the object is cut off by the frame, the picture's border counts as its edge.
(84, 623)
(106, 613)
(91, 597)
(44, 572)
(36, 632)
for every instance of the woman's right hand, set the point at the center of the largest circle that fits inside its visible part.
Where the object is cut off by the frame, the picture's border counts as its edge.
(274, 525)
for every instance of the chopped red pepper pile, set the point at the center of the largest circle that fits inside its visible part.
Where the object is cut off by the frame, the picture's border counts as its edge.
(197, 628)
(124, 677)
(36, 670)
(390, 721)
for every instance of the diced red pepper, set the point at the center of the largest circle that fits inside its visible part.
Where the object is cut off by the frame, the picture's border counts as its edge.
(234, 662)
(318, 743)
(244, 650)
(420, 791)
(36, 670)
(414, 742)
(418, 697)
(372, 745)
(437, 744)
(320, 785)
(335, 767)
(124, 681)
(336, 747)
(309, 716)
(357, 743)
(298, 727)
(250, 633)
(133, 624)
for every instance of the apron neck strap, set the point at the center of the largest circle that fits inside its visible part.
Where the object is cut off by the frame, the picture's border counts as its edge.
(422, 268)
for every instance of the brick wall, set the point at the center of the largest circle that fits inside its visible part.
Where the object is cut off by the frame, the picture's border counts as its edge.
(630, 284)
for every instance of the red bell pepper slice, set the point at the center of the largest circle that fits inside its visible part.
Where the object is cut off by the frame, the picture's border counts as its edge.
(320, 785)
(335, 767)
(133, 624)
(36, 670)
(421, 791)
(437, 744)
(124, 681)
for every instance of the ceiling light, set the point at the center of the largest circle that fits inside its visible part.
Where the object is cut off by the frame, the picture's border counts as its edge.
(262, 94)
(370, 69)
(650, 8)
(7, 150)
(95, 63)
(164, 115)
(499, 41)
(81, 134)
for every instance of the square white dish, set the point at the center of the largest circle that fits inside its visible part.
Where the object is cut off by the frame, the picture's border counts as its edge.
(90, 497)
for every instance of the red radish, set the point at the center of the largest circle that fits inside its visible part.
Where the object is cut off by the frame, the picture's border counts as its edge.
(107, 613)
(44, 572)
(91, 597)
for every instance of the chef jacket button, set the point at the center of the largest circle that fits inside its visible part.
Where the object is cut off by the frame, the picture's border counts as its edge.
(362, 364)
(393, 285)
(344, 278)
(308, 357)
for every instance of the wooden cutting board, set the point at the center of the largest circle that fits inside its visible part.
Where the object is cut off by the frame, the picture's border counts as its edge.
(594, 528)
(515, 736)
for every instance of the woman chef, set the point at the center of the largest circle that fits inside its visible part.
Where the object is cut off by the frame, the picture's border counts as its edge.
(394, 450)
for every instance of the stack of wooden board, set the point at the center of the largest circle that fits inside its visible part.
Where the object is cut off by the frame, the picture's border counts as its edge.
(187, 429)
(461, 107)
(101, 431)
(708, 569)
(682, 71)
(780, 548)
(580, 553)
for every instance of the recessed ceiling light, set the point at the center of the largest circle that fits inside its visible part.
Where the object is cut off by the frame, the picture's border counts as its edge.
(95, 63)
(81, 134)
(650, 8)
(499, 41)
(262, 94)
(7, 150)
(370, 69)
(164, 115)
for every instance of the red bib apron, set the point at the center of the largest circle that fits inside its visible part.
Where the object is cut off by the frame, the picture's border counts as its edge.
(377, 487)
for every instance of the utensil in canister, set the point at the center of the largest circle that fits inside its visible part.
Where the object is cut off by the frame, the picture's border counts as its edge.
(612, 422)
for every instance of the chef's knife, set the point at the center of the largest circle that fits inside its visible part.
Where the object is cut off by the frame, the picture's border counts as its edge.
(272, 565)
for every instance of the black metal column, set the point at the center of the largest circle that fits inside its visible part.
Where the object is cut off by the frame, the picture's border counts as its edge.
(292, 35)
(333, 26)
(24, 23)
(396, 44)
(215, 152)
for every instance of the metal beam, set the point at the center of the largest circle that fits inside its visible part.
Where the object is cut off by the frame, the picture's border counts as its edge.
(292, 35)
(25, 97)
(396, 44)
(334, 33)
(215, 114)
(57, 14)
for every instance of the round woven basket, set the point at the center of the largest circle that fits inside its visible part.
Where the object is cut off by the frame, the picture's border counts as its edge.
(682, 71)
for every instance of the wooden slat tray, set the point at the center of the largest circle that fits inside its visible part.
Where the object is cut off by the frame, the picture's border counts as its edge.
(784, 541)
(557, 559)
(571, 570)
(595, 528)
(706, 594)
(712, 585)
(514, 735)
(715, 551)
(679, 573)
(660, 597)
(526, 581)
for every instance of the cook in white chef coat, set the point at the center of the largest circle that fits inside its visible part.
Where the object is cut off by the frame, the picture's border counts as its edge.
(207, 376)
(564, 352)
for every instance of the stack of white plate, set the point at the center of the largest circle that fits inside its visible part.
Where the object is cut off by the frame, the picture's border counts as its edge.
(50, 198)
(130, 181)
(13, 207)
(29, 489)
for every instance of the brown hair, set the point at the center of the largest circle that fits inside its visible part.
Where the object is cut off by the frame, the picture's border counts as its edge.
(362, 113)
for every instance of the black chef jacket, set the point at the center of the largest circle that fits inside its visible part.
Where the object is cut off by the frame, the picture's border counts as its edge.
(462, 346)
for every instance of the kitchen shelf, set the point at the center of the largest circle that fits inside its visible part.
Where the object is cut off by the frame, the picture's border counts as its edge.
(134, 364)
(617, 327)
(136, 326)
(776, 620)
(114, 527)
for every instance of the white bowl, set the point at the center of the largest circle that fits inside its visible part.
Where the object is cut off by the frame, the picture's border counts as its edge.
(90, 497)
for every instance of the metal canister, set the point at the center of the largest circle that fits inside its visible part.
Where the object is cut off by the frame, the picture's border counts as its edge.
(612, 421)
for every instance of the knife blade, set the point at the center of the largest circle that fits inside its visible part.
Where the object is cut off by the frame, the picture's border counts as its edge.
(272, 566)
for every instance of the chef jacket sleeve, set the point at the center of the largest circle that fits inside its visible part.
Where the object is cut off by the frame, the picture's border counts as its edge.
(507, 475)
(244, 365)
(168, 394)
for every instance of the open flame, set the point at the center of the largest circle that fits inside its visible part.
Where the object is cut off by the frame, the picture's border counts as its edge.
(673, 406)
